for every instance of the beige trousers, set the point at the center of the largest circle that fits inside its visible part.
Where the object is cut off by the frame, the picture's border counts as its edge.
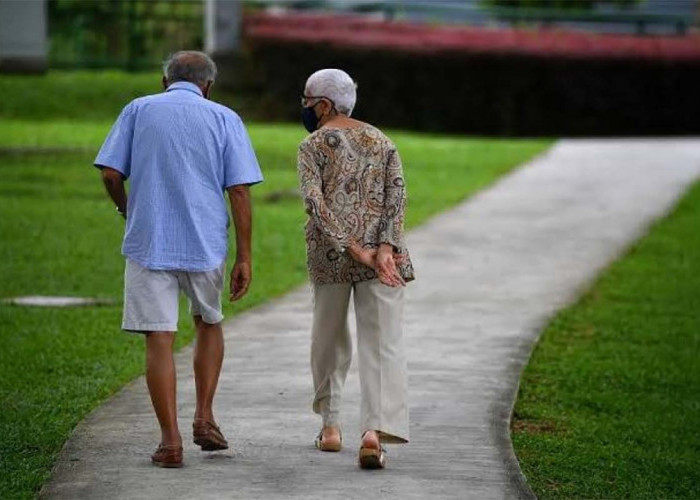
(380, 349)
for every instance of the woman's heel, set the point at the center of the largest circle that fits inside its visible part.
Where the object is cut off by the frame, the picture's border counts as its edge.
(324, 445)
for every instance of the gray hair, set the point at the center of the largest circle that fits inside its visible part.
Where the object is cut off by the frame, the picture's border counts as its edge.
(189, 66)
(336, 85)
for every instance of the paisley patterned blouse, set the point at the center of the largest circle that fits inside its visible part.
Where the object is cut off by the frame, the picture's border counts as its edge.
(353, 188)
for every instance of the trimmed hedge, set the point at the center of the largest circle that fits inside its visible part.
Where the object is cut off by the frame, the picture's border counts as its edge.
(499, 93)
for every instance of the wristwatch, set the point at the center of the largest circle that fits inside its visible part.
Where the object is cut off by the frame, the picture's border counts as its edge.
(123, 214)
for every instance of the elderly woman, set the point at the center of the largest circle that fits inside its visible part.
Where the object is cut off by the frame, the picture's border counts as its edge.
(353, 188)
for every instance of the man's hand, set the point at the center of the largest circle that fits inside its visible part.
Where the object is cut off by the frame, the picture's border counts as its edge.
(386, 267)
(241, 276)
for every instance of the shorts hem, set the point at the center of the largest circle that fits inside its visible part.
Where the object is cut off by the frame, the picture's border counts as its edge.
(206, 318)
(149, 327)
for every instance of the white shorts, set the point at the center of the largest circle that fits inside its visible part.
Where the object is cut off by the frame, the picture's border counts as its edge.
(151, 297)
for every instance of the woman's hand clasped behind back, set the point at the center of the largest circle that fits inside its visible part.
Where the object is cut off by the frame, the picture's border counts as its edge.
(384, 261)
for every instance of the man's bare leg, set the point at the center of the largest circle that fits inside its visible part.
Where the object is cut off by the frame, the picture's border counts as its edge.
(162, 383)
(208, 357)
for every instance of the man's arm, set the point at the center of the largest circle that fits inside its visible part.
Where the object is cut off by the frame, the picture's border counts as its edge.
(114, 182)
(241, 275)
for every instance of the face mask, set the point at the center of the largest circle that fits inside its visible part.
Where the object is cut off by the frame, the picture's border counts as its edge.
(309, 118)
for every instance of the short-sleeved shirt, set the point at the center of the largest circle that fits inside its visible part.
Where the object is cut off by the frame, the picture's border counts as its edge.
(179, 152)
(353, 188)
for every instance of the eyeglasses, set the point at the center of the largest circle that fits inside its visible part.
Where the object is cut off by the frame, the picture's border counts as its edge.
(306, 100)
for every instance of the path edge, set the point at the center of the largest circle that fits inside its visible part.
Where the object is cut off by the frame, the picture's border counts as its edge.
(503, 408)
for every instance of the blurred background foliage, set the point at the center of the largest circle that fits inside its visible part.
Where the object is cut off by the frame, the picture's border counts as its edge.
(560, 4)
(133, 35)
(138, 34)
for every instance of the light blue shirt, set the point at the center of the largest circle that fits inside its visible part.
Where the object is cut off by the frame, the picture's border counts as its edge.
(180, 152)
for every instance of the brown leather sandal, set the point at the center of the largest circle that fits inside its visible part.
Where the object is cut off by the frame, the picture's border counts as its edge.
(325, 446)
(208, 436)
(169, 457)
(371, 458)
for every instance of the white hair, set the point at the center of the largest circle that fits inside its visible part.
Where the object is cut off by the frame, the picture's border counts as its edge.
(189, 66)
(336, 85)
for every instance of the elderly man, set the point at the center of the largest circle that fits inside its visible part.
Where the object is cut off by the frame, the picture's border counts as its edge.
(353, 187)
(180, 152)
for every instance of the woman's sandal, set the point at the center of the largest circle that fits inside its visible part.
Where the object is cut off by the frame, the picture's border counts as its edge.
(324, 446)
(372, 458)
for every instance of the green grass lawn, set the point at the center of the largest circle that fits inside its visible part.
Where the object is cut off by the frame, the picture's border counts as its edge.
(78, 95)
(609, 406)
(60, 235)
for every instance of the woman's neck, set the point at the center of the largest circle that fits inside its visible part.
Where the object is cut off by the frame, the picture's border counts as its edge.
(341, 121)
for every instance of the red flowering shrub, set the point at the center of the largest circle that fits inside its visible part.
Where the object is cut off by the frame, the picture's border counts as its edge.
(362, 33)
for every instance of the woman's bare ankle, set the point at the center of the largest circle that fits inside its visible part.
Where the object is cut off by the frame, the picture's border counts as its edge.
(331, 433)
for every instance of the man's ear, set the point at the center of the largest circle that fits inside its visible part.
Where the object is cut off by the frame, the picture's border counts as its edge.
(206, 90)
(165, 83)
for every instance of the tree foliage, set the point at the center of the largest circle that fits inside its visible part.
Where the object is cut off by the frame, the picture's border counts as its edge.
(134, 34)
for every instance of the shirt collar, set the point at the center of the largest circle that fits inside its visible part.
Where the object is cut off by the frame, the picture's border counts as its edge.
(185, 86)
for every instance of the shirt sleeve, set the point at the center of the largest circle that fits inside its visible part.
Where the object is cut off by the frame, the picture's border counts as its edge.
(240, 163)
(391, 222)
(316, 207)
(116, 150)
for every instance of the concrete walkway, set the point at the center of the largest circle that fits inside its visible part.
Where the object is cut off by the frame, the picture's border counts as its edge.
(490, 273)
